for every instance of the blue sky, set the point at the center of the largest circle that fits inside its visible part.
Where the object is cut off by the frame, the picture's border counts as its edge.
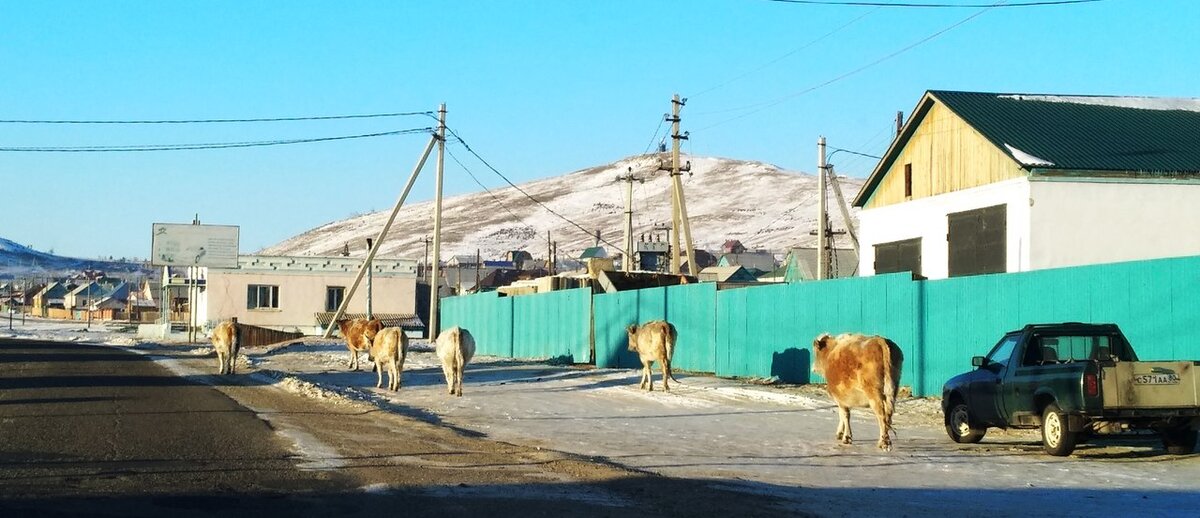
(538, 88)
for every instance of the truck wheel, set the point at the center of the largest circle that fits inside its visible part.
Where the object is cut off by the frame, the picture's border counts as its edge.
(1056, 439)
(1179, 441)
(959, 425)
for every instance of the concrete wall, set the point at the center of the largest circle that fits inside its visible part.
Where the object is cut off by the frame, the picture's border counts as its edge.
(1078, 223)
(926, 218)
(301, 296)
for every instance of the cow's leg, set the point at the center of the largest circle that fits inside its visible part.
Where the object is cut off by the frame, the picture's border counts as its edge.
(353, 363)
(647, 379)
(666, 373)
(220, 363)
(885, 441)
(448, 373)
(394, 369)
(844, 424)
(378, 375)
(458, 377)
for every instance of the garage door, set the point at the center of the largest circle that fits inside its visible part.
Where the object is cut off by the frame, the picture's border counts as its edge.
(978, 241)
(898, 256)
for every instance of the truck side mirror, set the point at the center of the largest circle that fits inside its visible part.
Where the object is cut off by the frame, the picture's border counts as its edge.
(978, 361)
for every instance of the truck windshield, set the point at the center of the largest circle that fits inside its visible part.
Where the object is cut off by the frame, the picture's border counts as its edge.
(1003, 351)
(1069, 348)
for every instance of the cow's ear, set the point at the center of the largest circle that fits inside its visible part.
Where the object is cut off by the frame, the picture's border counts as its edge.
(819, 343)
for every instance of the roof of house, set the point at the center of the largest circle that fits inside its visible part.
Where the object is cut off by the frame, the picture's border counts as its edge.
(845, 264)
(761, 261)
(726, 274)
(595, 252)
(1084, 134)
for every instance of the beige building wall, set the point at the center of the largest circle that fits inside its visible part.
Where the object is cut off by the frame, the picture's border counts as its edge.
(302, 289)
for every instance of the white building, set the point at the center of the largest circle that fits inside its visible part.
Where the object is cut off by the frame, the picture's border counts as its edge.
(985, 183)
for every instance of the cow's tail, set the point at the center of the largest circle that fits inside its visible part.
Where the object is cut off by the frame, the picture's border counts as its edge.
(672, 335)
(891, 382)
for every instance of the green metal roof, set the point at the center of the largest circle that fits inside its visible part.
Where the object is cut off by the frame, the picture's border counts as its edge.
(1071, 134)
(1086, 133)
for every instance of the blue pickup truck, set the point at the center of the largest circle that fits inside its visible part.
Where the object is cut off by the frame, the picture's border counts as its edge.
(1073, 381)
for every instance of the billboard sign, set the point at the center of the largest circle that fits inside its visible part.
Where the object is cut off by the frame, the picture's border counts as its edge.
(194, 245)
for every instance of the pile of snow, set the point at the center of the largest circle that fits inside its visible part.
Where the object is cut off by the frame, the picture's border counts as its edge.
(1026, 158)
(1141, 103)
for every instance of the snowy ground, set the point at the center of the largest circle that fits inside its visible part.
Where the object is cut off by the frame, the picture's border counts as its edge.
(758, 439)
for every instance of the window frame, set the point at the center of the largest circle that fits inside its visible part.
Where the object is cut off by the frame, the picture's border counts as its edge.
(255, 295)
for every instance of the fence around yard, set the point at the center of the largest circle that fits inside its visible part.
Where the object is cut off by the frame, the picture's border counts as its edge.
(766, 331)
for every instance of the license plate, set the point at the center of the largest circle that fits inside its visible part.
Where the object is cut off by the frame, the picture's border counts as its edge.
(1156, 379)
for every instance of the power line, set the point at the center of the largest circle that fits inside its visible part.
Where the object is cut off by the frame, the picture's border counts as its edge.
(220, 121)
(931, 5)
(810, 196)
(785, 56)
(522, 191)
(661, 121)
(853, 153)
(213, 145)
(758, 107)
(485, 189)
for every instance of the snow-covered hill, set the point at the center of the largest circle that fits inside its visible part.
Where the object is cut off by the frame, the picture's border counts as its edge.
(18, 260)
(758, 203)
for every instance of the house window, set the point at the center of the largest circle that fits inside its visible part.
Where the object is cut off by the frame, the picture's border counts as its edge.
(899, 256)
(262, 296)
(334, 295)
(908, 180)
(978, 241)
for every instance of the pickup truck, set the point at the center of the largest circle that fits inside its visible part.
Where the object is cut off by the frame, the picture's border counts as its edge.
(1074, 381)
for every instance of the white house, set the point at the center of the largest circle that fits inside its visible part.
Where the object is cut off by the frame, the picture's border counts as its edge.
(985, 183)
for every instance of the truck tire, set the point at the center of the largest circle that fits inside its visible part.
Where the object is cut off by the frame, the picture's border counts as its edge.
(1056, 439)
(1179, 441)
(959, 425)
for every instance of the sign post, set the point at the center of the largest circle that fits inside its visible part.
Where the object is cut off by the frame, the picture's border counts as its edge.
(193, 246)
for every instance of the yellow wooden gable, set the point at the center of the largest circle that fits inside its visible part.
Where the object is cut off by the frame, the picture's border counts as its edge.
(943, 153)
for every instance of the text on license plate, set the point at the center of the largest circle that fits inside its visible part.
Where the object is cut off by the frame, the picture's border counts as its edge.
(1156, 379)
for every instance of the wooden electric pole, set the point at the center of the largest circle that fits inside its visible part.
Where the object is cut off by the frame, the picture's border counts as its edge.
(437, 224)
(628, 178)
(680, 226)
(822, 214)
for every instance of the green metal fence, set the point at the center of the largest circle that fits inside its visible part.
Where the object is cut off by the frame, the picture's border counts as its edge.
(766, 331)
(552, 325)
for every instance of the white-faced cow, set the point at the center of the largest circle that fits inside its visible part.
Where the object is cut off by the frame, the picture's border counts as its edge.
(653, 341)
(226, 339)
(455, 347)
(860, 371)
(359, 333)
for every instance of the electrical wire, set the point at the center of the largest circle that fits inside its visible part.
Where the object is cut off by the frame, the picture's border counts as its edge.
(661, 121)
(855, 153)
(758, 107)
(811, 195)
(212, 145)
(1041, 3)
(522, 191)
(485, 189)
(783, 57)
(221, 121)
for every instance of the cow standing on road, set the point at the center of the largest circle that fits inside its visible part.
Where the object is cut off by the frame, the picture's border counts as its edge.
(455, 347)
(226, 339)
(860, 371)
(359, 333)
(388, 351)
(653, 341)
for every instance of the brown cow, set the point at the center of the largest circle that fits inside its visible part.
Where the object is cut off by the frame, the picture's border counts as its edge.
(359, 333)
(860, 371)
(388, 351)
(455, 347)
(653, 341)
(226, 339)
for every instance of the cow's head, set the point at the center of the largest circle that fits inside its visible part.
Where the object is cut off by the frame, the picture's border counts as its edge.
(343, 325)
(821, 346)
(373, 327)
(632, 330)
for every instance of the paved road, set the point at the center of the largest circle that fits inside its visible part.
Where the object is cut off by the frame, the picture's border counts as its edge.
(99, 431)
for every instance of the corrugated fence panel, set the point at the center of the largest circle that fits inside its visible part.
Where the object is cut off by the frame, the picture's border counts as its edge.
(553, 325)
(692, 308)
(612, 313)
(488, 318)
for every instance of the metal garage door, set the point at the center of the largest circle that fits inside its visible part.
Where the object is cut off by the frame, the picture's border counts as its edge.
(898, 256)
(977, 241)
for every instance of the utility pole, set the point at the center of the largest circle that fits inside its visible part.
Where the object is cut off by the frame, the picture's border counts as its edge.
(387, 225)
(837, 193)
(425, 263)
(370, 275)
(478, 262)
(899, 122)
(549, 254)
(437, 222)
(628, 178)
(679, 217)
(822, 215)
